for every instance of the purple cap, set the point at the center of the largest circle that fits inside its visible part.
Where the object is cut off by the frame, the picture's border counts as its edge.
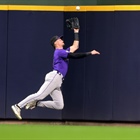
(55, 38)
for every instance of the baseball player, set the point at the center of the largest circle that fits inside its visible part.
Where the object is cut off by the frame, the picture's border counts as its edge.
(54, 79)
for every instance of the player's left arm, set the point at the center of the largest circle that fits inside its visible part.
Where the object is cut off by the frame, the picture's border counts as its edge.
(75, 44)
(82, 55)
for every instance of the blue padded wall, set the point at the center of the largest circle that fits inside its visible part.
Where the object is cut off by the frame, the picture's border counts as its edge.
(74, 83)
(89, 88)
(3, 60)
(104, 87)
(30, 57)
(126, 99)
(99, 69)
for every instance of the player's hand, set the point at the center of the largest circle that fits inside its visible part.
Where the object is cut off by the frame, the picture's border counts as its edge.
(93, 52)
(76, 30)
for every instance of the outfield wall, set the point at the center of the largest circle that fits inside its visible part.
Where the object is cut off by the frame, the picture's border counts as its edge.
(104, 87)
(109, 83)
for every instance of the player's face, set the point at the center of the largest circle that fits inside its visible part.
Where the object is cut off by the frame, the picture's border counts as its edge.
(59, 43)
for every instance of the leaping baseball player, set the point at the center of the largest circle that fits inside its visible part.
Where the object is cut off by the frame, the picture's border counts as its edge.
(54, 79)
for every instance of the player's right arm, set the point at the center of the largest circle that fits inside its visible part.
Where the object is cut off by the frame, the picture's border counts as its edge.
(75, 44)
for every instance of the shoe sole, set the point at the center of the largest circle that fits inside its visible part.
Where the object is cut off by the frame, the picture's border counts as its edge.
(16, 114)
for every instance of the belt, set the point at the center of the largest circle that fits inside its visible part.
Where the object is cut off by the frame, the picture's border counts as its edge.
(58, 72)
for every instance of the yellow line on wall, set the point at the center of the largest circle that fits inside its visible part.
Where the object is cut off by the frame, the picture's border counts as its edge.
(89, 8)
(127, 7)
(31, 8)
(103, 8)
(3, 7)
(71, 8)
(36, 8)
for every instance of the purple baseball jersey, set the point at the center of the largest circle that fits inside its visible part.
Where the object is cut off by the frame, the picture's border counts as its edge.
(60, 60)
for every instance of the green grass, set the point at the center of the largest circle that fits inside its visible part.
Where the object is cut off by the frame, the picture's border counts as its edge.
(67, 132)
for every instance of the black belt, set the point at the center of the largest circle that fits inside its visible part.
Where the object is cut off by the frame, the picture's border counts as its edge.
(60, 74)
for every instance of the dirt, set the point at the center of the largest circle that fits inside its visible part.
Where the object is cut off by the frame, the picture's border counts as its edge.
(90, 123)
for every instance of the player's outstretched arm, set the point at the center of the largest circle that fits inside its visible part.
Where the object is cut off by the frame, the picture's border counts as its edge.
(75, 44)
(82, 55)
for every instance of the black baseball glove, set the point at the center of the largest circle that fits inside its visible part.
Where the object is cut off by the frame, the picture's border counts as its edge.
(72, 23)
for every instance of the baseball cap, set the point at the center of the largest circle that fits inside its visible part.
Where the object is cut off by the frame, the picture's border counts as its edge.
(55, 38)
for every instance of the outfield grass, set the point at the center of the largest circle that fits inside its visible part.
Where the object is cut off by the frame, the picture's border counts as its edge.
(67, 132)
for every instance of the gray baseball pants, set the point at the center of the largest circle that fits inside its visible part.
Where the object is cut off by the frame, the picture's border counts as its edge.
(52, 87)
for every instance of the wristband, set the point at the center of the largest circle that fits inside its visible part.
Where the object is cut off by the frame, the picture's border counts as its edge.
(76, 36)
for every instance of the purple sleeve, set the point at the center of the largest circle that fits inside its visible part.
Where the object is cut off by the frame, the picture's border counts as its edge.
(68, 49)
(64, 53)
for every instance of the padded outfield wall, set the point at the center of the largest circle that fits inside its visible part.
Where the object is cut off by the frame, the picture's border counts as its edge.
(104, 87)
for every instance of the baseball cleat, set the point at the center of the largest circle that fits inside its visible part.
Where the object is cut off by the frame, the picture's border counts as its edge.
(31, 105)
(16, 111)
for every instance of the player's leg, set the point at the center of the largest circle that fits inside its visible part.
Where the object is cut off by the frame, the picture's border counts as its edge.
(52, 81)
(31, 98)
(56, 103)
(44, 91)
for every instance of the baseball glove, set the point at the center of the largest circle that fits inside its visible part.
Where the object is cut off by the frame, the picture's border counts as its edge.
(72, 23)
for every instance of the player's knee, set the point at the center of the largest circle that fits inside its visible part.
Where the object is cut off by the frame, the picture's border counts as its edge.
(60, 106)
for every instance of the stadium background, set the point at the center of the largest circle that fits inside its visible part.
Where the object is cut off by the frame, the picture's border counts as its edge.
(99, 88)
